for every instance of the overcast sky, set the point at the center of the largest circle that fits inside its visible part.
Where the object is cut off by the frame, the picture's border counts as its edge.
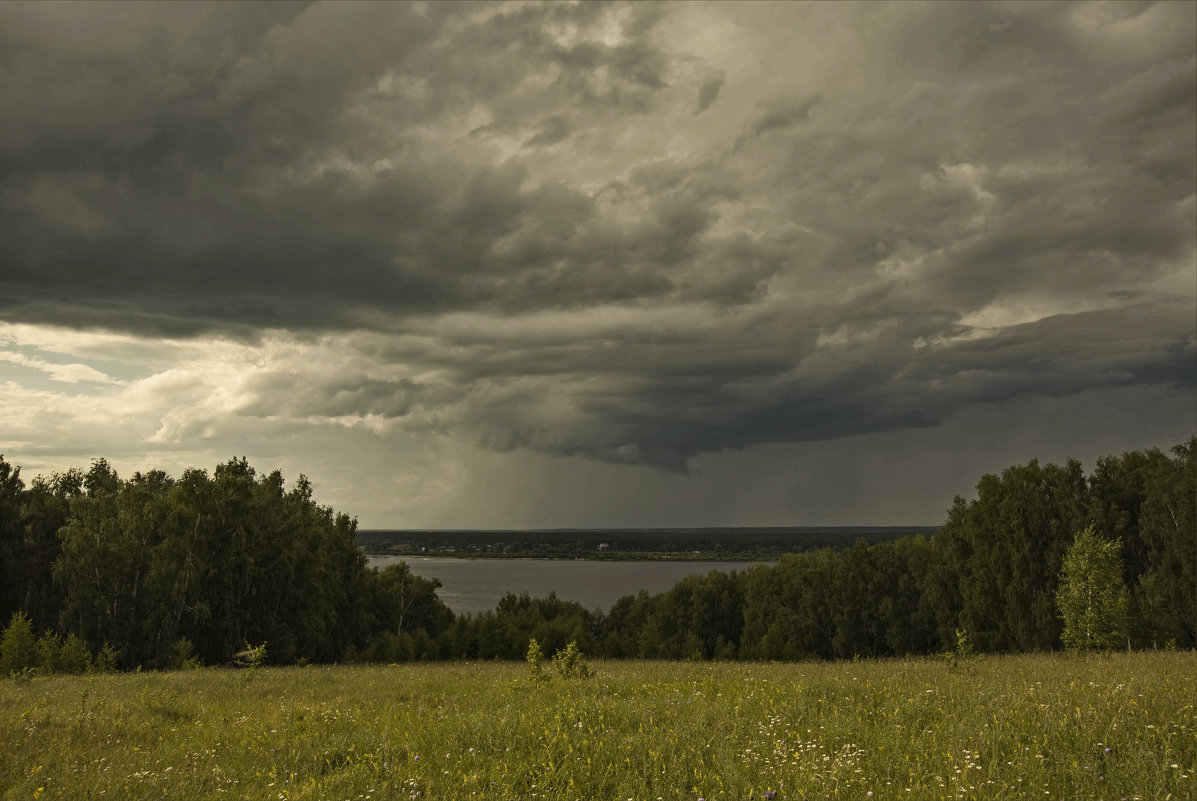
(539, 265)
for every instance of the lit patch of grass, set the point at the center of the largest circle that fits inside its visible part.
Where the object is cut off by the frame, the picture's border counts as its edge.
(1026, 726)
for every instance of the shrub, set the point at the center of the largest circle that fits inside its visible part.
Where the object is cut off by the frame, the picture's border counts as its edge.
(254, 656)
(74, 656)
(535, 658)
(182, 656)
(49, 646)
(18, 647)
(570, 663)
(106, 660)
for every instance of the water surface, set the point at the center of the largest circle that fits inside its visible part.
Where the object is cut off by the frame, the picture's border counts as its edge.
(476, 585)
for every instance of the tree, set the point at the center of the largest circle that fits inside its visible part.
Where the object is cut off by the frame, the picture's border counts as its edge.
(404, 601)
(18, 647)
(11, 490)
(1015, 534)
(790, 608)
(1091, 594)
(1167, 588)
(46, 509)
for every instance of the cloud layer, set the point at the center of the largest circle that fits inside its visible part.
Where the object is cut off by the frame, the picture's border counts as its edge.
(633, 233)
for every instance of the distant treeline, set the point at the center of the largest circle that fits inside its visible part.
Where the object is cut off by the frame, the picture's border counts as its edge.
(161, 572)
(715, 544)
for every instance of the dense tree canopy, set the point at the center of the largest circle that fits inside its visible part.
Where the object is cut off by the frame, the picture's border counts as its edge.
(221, 561)
(156, 571)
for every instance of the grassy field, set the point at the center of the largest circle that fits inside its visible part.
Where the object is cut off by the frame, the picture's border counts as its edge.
(1116, 726)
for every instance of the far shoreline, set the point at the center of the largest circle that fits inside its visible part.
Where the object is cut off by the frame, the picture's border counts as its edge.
(711, 544)
(615, 557)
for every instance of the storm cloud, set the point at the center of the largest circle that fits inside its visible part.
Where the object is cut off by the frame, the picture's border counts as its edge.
(637, 234)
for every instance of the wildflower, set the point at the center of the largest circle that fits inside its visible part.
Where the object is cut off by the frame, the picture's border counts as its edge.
(770, 794)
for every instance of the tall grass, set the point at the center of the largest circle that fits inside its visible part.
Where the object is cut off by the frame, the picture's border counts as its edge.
(1114, 726)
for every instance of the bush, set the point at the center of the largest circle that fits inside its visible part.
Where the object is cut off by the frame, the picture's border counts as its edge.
(182, 656)
(74, 656)
(571, 664)
(254, 656)
(18, 647)
(535, 658)
(49, 646)
(106, 660)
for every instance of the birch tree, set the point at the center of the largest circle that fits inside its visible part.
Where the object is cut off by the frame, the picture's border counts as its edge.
(1092, 595)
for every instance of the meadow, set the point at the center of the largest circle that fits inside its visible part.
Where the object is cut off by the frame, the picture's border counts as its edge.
(1032, 726)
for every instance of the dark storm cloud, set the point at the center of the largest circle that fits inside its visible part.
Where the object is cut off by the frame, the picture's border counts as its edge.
(553, 130)
(543, 230)
(784, 114)
(708, 93)
(194, 161)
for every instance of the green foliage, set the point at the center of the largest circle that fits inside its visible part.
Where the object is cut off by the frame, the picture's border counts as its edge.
(504, 633)
(11, 538)
(107, 659)
(1148, 501)
(1092, 596)
(1027, 726)
(182, 656)
(535, 659)
(1167, 591)
(964, 655)
(74, 656)
(172, 572)
(217, 559)
(49, 647)
(165, 704)
(30, 519)
(1010, 542)
(408, 610)
(18, 647)
(253, 657)
(964, 646)
(571, 664)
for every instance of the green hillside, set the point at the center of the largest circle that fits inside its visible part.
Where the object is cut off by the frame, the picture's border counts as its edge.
(1030, 726)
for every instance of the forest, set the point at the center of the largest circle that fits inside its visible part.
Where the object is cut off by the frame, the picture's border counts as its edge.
(99, 572)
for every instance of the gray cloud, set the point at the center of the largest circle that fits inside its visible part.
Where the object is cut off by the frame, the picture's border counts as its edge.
(553, 130)
(554, 239)
(784, 114)
(707, 94)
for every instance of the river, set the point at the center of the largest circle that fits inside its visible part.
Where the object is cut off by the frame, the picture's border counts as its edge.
(476, 585)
